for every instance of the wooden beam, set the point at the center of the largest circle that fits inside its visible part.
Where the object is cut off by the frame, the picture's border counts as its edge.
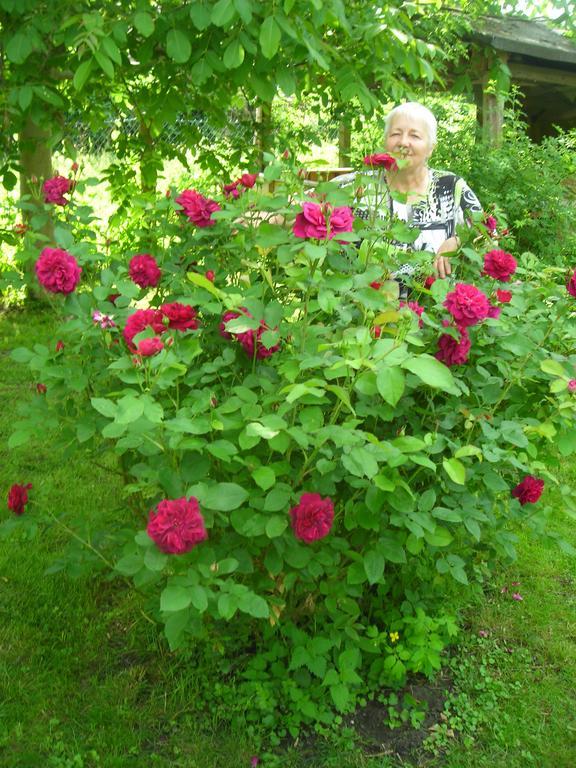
(528, 73)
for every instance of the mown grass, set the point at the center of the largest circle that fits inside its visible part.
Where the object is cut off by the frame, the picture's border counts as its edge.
(86, 681)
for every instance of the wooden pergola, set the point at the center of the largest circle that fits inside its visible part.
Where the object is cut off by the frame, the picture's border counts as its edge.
(542, 63)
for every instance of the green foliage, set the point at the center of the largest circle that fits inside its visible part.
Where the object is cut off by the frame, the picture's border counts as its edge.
(419, 459)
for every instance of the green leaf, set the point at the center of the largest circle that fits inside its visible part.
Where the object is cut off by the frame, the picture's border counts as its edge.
(223, 13)
(130, 564)
(390, 383)
(374, 565)
(340, 696)
(276, 526)
(130, 409)
(104, 63)
(144, 23)
(455, 470)
(25, 95)
(392, 550)
(174, 628)
(155, 560)
(233, 55)
(432, 372)
(19, 47)
(276, 500)
(200, 15)
(104, 406)
(198, 597)
(178, 46)
(227, 606)
(244, 8)
(224, 497)
(441, 537)
(254, 605)
(270, 36)
(175, 598)
(264, 477)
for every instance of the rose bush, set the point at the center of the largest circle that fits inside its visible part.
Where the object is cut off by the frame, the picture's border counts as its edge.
(303, 486)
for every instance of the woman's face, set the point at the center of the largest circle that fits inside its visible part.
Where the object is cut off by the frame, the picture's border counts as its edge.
(408, 138)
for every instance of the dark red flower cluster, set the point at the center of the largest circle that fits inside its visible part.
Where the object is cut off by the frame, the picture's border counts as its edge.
(499, 265)
(57, 270)
(144, 270)
(235, 189)
(322, 222)
(312, 517)
(179, 317)
(18, 498)
(529, 490)
(197, 208)
(571, 285)
(467, 305)
(176, 525)
(381, 160)
(453, 351)
(54, 190)
(250, 339)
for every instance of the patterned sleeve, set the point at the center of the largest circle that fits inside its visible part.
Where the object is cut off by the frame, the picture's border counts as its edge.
(466, 202)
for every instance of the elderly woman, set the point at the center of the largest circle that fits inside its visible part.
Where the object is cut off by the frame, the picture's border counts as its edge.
(434, 202)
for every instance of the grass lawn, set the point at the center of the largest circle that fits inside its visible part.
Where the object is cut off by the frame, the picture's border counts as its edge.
(86, 681)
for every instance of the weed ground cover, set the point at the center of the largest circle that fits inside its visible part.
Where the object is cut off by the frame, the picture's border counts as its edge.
(86, 681)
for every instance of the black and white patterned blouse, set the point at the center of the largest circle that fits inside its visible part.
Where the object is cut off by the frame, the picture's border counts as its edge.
(448, 203)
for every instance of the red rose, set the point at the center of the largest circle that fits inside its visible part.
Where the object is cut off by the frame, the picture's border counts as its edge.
(55, 189)
(196, 208)
(571, 285)
(180, 316)
(139, 321)
(209, 275)
(529, 490)
(494, 312)
(41, 388)
(18, 497)
(149, 347)
(59, 345)
(453, 351)
(57, 270)
(467, 305)
(499, 265)
(248, 180)
(490, 222)
(231, 190)
(249, 338)
(176, 525)
(504, 297)
(376, 285)
(322, 221)
(144, 270)
(312, 518)
(381, 160)
(429, 282)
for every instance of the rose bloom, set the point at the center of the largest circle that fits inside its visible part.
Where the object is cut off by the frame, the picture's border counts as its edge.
(231, 190)
(41, 388)
(429, 282)
(494, 312)
(59, 345)
(55, 189)
(490, 222)
(467, 305)
(504, 297)
(18, 497)
(571, 285)
(376, 285)
(149, 347)
(196, 208)
(251, 337)
(248, 180)
(57, 270)
(572, 385)
(453, 351)
(529, 490)
(209, 275)
(499, 265)
(176, 525)
(381, 160)
(140, 320)
(144, 271)
(181, 317)
(315, 221)
(312, 518)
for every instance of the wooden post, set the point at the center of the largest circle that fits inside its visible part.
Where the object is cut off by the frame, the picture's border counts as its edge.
(263, 131)
(344, 143)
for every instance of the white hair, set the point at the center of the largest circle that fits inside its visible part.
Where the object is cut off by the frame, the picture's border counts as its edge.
(416, 110)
